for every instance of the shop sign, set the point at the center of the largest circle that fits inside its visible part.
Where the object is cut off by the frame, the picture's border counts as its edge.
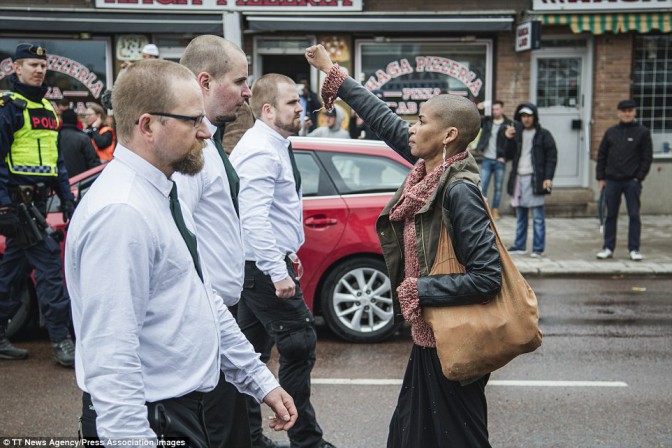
(599, 5)
(528, 36)
(289, 6)
(410, 97)
(66, 66)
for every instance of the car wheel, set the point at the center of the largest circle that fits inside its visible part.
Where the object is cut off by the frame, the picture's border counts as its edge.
(357, 301)
(24, 315)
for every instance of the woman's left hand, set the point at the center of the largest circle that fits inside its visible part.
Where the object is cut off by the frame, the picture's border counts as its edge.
(409, 299)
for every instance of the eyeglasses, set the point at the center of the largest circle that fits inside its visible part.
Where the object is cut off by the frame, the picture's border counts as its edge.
(296, 262)
(197, 119)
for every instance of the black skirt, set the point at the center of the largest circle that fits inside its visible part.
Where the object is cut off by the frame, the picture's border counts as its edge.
(433, 411)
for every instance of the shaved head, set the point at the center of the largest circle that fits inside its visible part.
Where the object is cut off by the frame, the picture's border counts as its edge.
(459, 112)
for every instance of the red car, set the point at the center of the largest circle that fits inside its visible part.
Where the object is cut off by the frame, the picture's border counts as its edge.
(346, 183)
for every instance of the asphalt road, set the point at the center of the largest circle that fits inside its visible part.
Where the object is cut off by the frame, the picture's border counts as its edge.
(601, 378)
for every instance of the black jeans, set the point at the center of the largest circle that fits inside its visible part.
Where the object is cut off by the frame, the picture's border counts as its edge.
(226, 416)
(265, 320)
(181, 417)
(632, 190)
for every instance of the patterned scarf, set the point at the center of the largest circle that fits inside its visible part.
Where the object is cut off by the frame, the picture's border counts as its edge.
(417, 190)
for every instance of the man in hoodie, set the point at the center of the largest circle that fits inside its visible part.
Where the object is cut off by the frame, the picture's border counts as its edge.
(333, 128)
(534, 156)
(30, 167)
(623, 161)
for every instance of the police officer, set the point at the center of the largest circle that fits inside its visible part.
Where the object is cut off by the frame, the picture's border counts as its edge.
(30, 167)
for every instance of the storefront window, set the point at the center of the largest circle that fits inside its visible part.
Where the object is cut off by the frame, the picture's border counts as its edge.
(652, 88)
(77, 71)
(407, 73)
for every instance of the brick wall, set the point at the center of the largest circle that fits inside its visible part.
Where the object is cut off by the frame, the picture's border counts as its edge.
(511, 74)
(611, 83)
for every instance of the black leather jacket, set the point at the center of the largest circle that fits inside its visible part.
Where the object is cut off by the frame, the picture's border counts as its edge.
(462, 210)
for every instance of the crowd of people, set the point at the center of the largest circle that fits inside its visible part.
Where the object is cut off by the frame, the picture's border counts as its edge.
(205, 197)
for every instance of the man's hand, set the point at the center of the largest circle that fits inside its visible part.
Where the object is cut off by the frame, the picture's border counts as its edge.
(318, 57)
(282, 405)
(510, 131)
(68, 208)
(285, 288)
(9, 222)
(601, 184)
(501, 160)
(548, 184)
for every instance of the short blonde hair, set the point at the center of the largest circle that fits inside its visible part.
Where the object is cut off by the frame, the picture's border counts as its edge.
(146, 86)
(265, 91)
(210, 54)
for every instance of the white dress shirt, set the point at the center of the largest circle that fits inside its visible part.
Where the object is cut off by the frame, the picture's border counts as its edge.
(270, 209)
(220, 243)
(147, 327)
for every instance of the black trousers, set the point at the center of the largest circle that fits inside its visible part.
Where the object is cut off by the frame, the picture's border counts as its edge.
(45, 257)
(181, 417)
(226, 416)
(613, 191)
(265, 319)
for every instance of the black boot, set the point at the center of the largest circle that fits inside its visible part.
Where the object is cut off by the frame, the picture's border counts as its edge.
(7, 350)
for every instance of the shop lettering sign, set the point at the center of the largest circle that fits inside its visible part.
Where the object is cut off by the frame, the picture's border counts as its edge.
(289, 6)
(599, 5)
(427, 64)
(67, 66)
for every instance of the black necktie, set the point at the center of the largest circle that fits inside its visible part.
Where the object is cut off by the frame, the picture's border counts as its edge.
(188, 237)
(234, 180)
(295, 169)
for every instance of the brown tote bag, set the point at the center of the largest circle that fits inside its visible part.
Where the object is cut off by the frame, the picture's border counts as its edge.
(473, 340)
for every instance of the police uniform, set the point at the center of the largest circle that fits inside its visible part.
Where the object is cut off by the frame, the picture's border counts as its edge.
(30, 167)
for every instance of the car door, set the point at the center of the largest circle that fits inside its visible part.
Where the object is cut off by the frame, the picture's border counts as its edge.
(324, 216)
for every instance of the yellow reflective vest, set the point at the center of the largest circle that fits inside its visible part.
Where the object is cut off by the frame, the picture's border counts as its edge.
(35, 148)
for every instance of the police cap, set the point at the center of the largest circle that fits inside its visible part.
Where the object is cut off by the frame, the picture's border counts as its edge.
(627, 104)
(29, 51)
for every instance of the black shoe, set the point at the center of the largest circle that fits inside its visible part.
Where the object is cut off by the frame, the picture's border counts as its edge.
(265, 442)
(8, 351)
(325, 444)
(64, 352)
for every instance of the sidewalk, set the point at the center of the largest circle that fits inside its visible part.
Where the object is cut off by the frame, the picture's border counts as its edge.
(571, 245)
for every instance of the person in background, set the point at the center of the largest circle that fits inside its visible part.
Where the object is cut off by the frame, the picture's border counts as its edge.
(78, 152)
(623, 161)
(153, 335)
(332, 127)
(491, 145)
(102, 135)
(431, 411)
(310, 104)
(150, 51)
(271, 309)
(535, 157)
(234, 130)
(31, 166)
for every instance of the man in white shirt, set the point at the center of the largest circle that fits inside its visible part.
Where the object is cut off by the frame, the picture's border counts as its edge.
(272, 309)
(152, 334)
(211, 196)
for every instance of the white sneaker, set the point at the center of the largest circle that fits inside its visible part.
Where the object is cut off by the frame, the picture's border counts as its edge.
(605, 253)
(537, 254)
(635, 255)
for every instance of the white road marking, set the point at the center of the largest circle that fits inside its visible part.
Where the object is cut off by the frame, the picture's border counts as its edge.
(510, 383)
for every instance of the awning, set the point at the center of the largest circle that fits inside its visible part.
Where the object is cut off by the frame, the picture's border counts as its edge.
(642, 22)
(382, 24)
(110, 22)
